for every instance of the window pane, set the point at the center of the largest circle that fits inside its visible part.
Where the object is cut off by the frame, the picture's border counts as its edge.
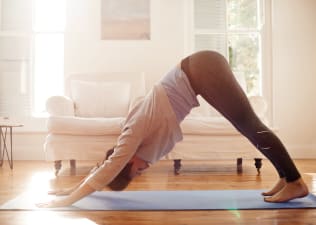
(244, 58)
(242, 14)
(49, 15)
(14, 93)
(215, 42)
(48, 68)
(210, 14)
(14, 76)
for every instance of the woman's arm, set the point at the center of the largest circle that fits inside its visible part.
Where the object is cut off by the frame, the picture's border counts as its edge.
(74, 193)
(66, 191)
(127, 144)
(83, 190)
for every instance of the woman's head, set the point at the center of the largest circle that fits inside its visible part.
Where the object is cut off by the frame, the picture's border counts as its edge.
(132, 169)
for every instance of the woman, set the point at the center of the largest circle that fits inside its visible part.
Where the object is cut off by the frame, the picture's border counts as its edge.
(153, 127)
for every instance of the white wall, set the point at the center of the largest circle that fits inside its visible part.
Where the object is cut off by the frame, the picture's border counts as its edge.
(85, 51)
(294, 74)
(293, 62)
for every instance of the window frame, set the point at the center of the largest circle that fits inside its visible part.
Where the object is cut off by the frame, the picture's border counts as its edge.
(265, 45)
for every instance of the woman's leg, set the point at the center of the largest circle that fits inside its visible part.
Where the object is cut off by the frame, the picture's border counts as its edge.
(212, 78)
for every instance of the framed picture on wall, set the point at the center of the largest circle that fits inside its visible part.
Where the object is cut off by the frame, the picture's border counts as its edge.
(125, 19)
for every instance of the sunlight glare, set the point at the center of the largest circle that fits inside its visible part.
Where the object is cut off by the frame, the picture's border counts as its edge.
(49, 68)
(39, 185)
(235, 212)
(52, 218)
(49, 15)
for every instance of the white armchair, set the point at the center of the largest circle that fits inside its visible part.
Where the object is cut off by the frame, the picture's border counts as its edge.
(86, 122)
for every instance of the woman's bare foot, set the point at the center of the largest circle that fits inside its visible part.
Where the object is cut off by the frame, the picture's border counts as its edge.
(277, 187)
(292, 190)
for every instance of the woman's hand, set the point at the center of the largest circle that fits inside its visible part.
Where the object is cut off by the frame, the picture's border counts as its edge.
(63, 202)
(61, 192)
(74, 194)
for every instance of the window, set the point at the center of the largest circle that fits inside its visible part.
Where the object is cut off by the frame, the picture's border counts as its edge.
(48, 42)
(31, 55)
(233, 28)
(15, 27)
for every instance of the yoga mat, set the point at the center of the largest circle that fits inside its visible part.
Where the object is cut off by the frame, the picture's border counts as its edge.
(168, 200)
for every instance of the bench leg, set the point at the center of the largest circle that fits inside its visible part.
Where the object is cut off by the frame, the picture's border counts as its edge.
(57, 165)
(177, 166)
(258, 164)
(239, 165)
(72, 164)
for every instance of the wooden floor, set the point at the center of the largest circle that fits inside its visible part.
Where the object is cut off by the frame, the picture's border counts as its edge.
(195, 175)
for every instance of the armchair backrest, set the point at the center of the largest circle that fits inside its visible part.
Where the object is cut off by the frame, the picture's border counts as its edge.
(104, 94)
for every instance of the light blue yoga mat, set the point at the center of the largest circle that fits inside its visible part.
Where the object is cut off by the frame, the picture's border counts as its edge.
(169, 200)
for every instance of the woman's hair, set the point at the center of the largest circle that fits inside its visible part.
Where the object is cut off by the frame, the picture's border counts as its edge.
(121, 181)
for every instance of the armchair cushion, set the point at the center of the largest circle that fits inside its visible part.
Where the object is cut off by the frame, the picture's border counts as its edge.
(84, 126)
(216, 126)
(100, 99)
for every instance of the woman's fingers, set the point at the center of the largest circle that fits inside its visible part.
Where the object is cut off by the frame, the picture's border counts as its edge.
(60, 192)
(53, 203)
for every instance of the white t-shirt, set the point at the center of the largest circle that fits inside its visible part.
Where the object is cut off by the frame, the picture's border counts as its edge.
(180, 93)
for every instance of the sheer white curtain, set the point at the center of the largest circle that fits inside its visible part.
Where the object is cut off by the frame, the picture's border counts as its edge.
(48, 74)
(15, 61)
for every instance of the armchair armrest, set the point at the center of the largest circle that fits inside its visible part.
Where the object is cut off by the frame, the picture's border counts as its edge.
(60, 106)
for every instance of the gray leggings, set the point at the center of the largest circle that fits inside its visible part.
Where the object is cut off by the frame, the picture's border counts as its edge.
(211, 77)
